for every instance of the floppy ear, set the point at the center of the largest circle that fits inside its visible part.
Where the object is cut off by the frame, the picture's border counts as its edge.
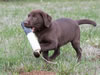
(47, 19)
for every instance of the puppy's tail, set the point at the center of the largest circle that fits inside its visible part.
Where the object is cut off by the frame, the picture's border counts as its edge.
(86, 21)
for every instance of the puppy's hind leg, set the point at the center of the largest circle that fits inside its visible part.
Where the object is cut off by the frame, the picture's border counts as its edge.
(76, 46)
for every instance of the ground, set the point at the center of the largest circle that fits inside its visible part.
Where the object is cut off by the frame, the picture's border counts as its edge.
(16, 53)
(38, 73)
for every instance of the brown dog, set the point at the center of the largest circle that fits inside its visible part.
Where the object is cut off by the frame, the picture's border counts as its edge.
(54, 34)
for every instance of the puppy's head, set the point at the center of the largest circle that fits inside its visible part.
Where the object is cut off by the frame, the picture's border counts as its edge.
(37, 20)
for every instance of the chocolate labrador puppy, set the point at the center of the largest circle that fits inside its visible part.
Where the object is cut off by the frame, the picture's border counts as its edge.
(54, 34)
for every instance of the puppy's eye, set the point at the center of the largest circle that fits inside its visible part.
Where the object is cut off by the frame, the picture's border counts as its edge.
(28, 15)
(33, 15)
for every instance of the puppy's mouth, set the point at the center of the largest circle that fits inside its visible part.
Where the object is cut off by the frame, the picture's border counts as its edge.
(29, 26)
(33, 29)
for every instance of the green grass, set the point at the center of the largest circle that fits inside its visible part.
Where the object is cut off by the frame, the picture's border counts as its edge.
(16, 53)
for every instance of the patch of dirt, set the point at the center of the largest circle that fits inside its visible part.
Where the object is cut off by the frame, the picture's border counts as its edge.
(38, 73)
(91, 52)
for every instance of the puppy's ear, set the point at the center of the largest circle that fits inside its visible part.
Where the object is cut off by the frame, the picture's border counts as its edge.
(47, 19)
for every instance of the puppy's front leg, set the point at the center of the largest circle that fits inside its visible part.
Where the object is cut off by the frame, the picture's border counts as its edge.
(48, 46)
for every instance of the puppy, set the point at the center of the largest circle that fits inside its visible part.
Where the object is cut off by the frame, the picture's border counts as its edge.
(54, 34)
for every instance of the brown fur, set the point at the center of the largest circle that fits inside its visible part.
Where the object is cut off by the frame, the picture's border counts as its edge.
(54, 34)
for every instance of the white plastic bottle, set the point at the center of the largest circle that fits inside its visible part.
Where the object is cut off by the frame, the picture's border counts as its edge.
(33, 40)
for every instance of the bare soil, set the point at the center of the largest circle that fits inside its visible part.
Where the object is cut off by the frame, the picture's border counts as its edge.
(38, 73)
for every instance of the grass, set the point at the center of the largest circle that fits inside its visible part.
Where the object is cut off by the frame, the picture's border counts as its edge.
(15, 51)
